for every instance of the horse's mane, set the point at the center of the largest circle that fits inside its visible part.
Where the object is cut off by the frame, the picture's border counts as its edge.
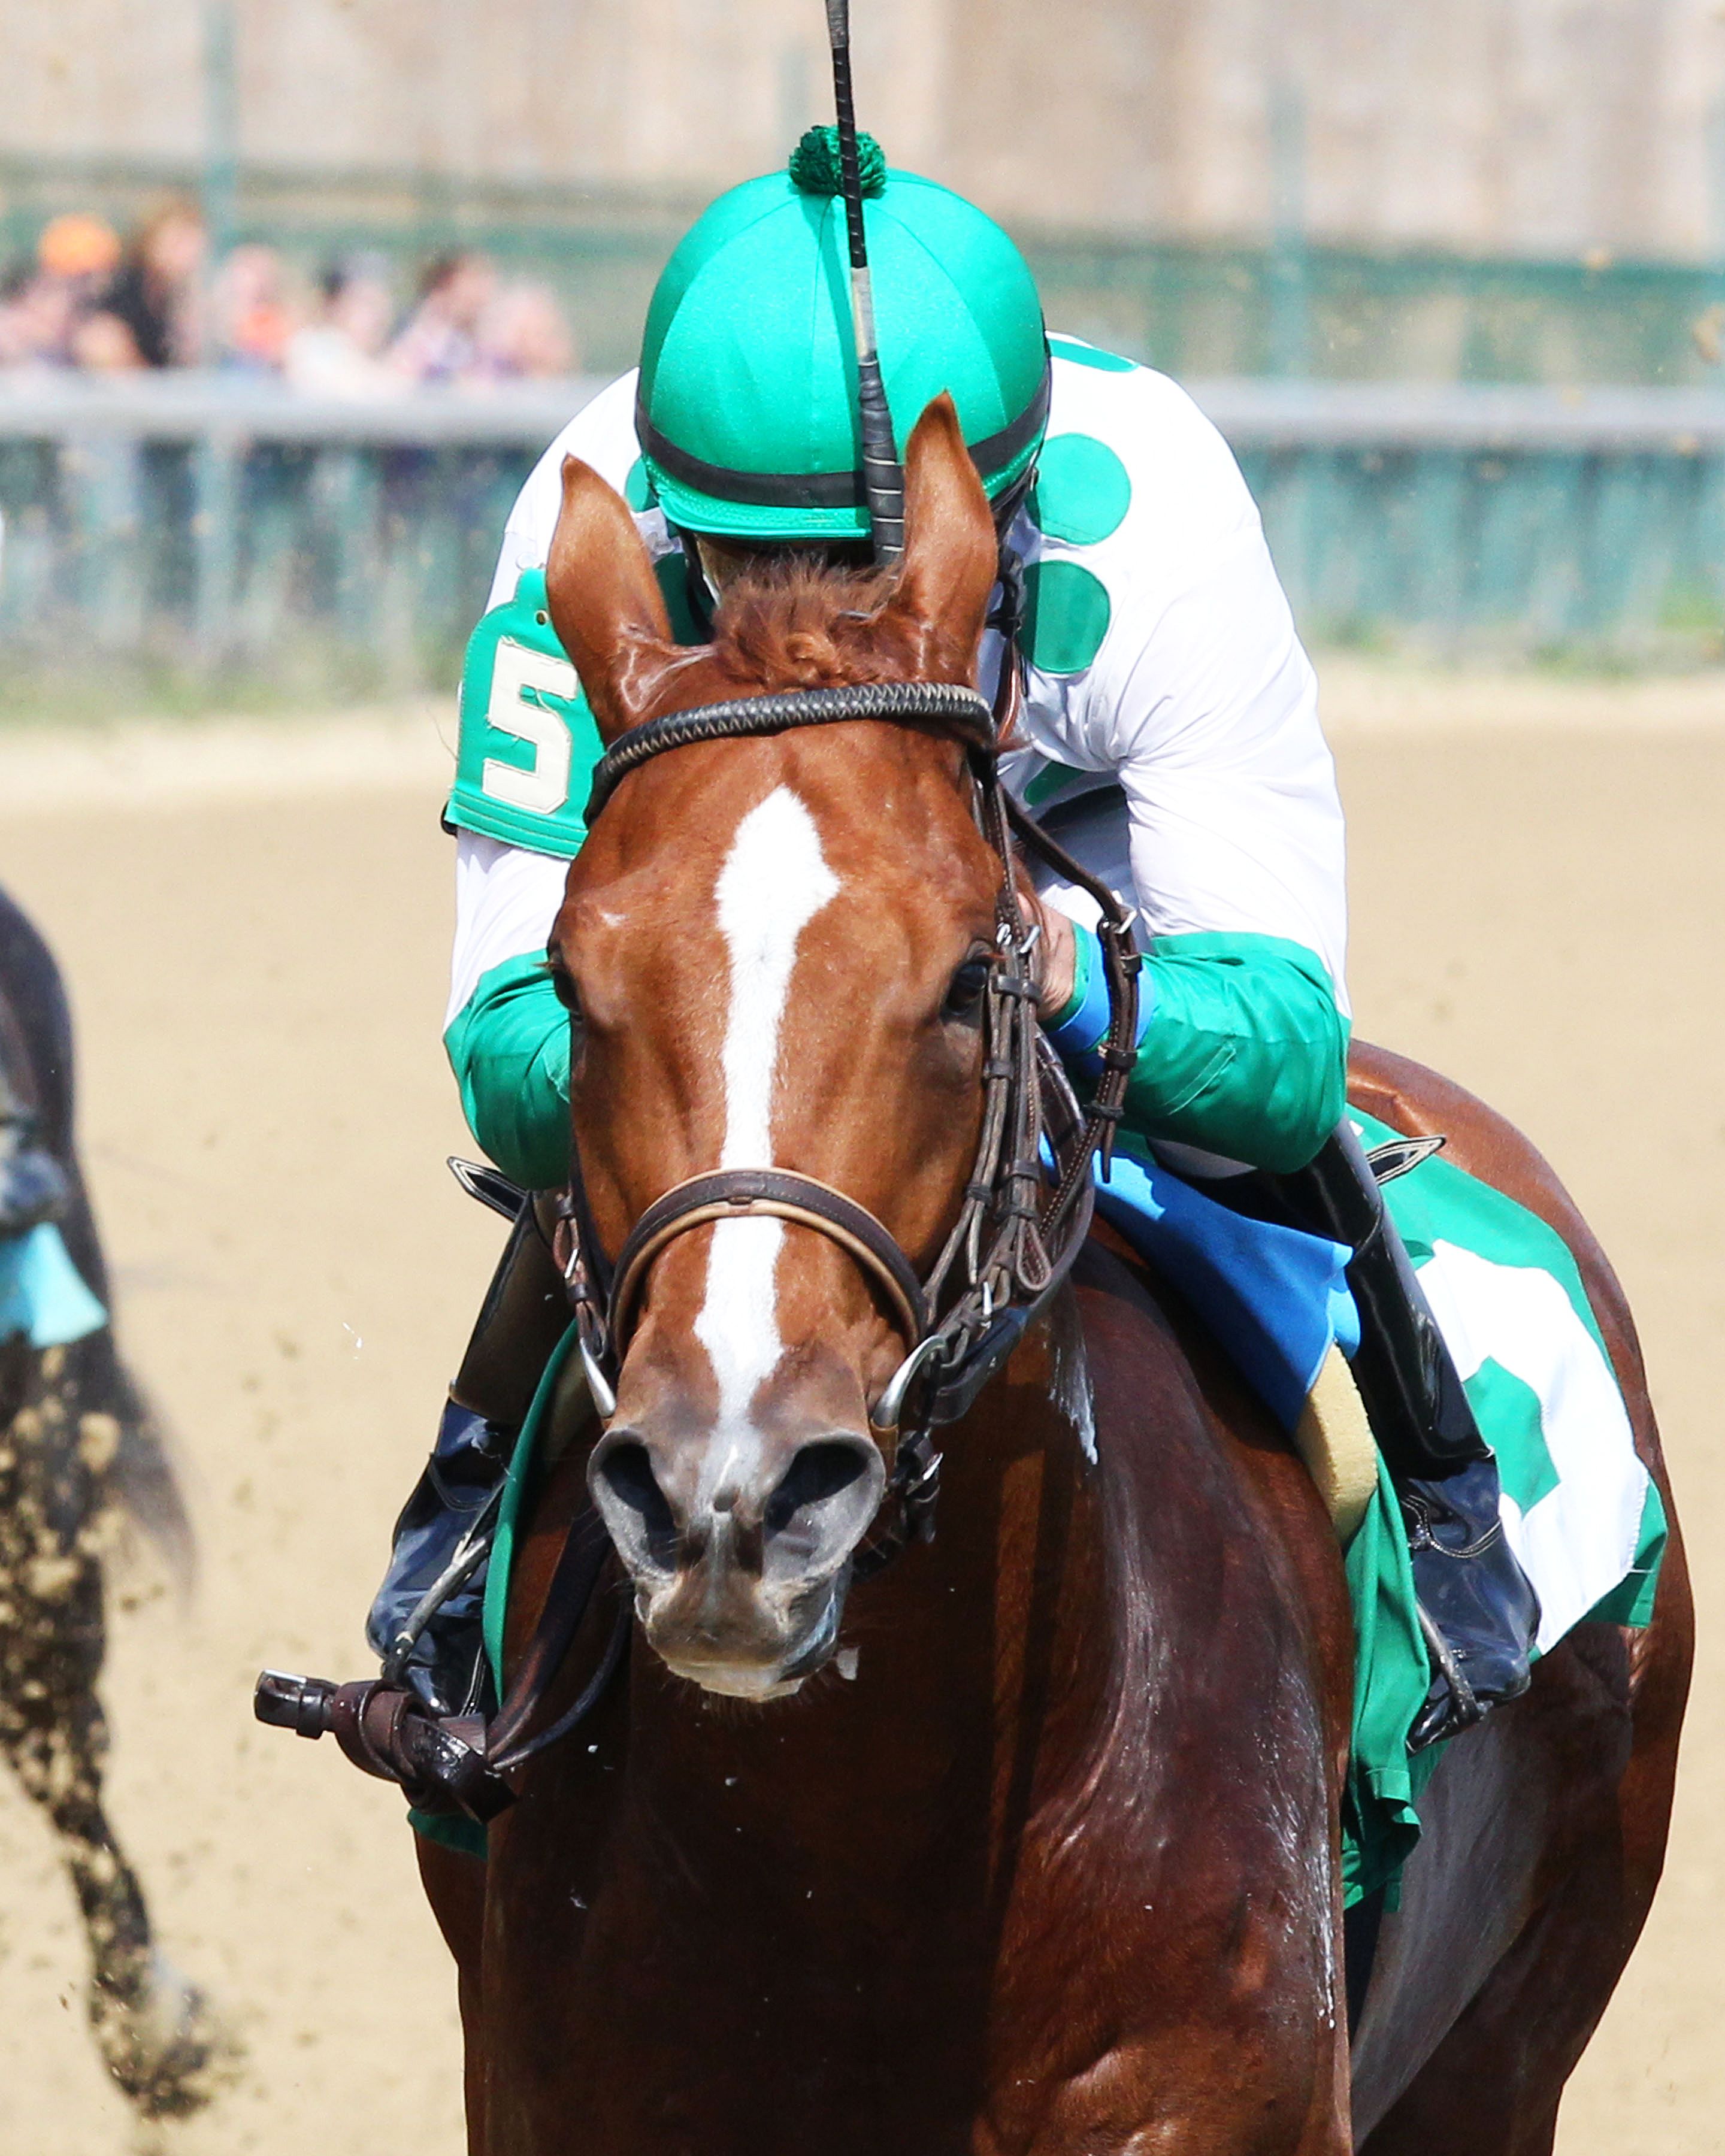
(797, 622)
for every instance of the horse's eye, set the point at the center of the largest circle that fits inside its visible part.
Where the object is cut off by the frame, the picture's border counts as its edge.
(964, 992)
(563, 980)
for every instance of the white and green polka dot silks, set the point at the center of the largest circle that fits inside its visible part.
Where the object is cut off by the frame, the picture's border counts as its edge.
(1162, 662)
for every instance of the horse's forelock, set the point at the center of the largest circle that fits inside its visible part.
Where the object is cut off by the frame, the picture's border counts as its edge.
(794, 622)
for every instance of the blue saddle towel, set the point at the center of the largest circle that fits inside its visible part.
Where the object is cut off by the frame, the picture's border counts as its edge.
(1275, 1299)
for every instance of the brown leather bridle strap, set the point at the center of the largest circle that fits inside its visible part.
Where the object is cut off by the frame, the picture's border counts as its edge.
(779, 1193)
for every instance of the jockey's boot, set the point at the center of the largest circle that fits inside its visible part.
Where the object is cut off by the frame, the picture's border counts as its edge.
(445, 1528)
(1477, 1607)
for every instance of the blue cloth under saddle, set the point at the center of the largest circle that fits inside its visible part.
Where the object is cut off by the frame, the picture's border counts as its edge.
(42, 1293)
(1275, 1299)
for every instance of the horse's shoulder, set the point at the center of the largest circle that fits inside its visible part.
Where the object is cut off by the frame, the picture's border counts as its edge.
(1146, 1352)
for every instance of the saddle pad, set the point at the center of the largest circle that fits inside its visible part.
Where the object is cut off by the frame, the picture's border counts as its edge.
(1579, 1509)
(1275, 1299)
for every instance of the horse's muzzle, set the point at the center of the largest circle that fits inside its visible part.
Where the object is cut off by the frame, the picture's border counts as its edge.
(737, 1545)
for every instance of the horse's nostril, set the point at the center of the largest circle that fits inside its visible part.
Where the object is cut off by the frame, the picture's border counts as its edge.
(825, 1500)
(819, 1472)
(794, 1533)
(638, 1516)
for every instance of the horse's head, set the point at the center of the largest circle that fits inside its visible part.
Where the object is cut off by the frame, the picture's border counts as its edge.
(776, 951)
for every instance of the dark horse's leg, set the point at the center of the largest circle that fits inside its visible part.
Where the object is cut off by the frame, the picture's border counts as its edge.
(153, 2031)
(36, 1027)
(1581, 1770)
(158, 2039)
(77, 1445)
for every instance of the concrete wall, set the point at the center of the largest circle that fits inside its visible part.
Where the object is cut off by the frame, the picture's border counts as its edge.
(1541, 126)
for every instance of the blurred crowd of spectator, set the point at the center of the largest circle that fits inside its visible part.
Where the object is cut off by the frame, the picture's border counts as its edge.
(88, 301)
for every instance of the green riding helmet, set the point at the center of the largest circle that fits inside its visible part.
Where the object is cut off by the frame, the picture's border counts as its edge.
(748, 404)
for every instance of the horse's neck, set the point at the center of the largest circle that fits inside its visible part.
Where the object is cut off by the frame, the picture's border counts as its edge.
(1089, 1747)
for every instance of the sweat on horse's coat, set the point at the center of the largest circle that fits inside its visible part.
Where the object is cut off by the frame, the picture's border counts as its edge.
(1579, 1508)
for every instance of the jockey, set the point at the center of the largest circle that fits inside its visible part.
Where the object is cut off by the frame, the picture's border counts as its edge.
(1172, 743)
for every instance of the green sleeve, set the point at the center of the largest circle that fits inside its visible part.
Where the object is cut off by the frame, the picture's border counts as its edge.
(509, 1048)
(1245, 1053)
(1242, 1051)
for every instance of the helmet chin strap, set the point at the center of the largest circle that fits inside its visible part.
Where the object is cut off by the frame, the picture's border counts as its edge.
(704, 594)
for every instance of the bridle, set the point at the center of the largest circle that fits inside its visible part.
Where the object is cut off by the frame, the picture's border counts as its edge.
(1016, 1234)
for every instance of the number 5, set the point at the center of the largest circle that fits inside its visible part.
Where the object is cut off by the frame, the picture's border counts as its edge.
(544, 787)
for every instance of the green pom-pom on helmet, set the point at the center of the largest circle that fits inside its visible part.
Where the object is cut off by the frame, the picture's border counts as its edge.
(815, 169)
(746, 411)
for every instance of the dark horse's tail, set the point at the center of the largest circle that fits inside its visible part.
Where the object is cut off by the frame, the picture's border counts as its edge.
(135, 1472)
(140, 1480)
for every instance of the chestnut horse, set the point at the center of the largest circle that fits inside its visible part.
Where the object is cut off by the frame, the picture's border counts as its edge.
(1031, 1843)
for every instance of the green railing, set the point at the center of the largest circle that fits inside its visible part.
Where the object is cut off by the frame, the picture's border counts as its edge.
(184, 532)
(1332, 314)
(1285, 307)
(209, 532)
(1480, 522)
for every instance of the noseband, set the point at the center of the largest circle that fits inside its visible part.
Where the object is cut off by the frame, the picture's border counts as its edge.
(1016, 1235)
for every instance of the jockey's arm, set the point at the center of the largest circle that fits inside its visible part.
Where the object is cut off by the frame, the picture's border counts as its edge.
(1201, 703)
(1203, 706)
(1242, 1049)
(507, 1035)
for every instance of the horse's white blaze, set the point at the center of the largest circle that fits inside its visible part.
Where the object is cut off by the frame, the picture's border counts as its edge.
(774, 881)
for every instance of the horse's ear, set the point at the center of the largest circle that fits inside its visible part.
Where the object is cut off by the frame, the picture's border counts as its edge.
(604, 600)
(951, 555)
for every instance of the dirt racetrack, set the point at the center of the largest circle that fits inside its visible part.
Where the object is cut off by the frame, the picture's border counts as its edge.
(253, 923)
